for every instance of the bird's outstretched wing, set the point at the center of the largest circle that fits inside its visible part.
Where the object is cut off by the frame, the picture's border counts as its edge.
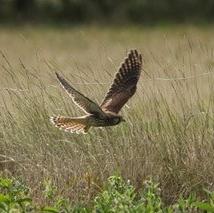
(124, 84)
(80, 100)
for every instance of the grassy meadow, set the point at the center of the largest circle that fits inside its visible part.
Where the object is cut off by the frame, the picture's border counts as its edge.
(169, 133)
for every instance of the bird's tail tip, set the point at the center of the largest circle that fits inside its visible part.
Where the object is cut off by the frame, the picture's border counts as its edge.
(73, 125)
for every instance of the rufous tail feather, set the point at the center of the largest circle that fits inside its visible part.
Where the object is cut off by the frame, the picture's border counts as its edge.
(77, 125)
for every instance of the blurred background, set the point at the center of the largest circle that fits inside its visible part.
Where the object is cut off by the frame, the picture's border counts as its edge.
(106, 11)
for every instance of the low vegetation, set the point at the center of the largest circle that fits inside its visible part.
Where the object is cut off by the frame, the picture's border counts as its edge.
(117, 196)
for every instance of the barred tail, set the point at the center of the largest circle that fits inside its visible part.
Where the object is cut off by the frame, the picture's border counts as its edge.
(77, 125)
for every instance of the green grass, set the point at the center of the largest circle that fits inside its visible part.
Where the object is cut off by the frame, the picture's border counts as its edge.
(169, 131)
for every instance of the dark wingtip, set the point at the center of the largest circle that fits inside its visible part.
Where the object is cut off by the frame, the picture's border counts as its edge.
(134, 50)
(57, 75)
(60, 78)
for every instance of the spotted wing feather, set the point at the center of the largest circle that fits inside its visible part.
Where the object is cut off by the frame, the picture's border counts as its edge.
(124, 84)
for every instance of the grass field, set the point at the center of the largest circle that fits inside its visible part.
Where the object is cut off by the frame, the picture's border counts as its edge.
(169, 133)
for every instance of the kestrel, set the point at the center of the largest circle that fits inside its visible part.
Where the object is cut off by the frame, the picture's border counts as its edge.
(105, 114)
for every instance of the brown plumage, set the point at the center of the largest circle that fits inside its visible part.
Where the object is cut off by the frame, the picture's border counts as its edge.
(121, 90)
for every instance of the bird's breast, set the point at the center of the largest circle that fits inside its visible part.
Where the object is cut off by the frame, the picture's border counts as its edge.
(99, 122)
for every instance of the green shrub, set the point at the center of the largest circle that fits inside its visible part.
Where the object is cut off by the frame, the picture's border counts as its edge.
(14, 195)
(120, 196)
(117, 196)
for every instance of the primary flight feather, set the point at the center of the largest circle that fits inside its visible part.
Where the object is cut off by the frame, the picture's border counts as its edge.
(106, 114)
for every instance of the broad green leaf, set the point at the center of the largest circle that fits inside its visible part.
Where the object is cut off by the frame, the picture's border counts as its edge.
(50, 209)
(27, 199)
(5, 198)
(204, 206)
(5, 182)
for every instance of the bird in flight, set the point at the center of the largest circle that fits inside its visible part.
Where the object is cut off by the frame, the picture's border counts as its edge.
(105, 114)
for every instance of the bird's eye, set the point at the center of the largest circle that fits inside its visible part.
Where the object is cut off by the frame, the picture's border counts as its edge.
(116, 120)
